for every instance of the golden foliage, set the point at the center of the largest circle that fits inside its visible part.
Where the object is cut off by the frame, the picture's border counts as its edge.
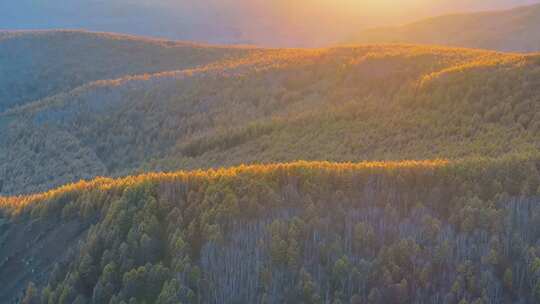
(17, 203)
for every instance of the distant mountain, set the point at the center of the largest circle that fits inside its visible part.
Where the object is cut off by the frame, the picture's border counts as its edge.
(176, 19)
(250, 105)
(514, 30)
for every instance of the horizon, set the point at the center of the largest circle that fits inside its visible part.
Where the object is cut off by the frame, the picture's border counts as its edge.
(235, 22)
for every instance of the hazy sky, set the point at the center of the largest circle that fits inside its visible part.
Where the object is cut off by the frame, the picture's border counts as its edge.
(264, 22)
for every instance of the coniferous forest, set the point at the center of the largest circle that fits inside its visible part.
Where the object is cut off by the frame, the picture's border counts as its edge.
(402, 232)
(139, 170)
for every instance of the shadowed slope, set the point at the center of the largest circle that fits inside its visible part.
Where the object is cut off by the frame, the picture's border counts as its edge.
(37, 64)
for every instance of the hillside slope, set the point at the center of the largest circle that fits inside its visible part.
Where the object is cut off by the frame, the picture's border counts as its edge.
(274, 105)
(37, 64)
(515, 30)
(407, 232)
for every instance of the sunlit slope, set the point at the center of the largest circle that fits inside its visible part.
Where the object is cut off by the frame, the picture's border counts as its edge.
(515, 30)
(273, 105)
(20, 204)
(37, 64)
(347, 230)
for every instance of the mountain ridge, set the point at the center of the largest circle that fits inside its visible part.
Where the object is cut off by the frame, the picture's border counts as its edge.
(10, 34)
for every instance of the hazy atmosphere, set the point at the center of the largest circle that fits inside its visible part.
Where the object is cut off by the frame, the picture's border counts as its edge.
(261, 22)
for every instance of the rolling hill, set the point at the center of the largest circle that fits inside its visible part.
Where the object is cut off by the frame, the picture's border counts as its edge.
(276, 105)
(428, 192)
(514, 30)
(37, 64)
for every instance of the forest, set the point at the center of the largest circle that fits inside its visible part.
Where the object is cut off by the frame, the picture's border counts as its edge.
(182, 173)
(305, 232)
(251, 106)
